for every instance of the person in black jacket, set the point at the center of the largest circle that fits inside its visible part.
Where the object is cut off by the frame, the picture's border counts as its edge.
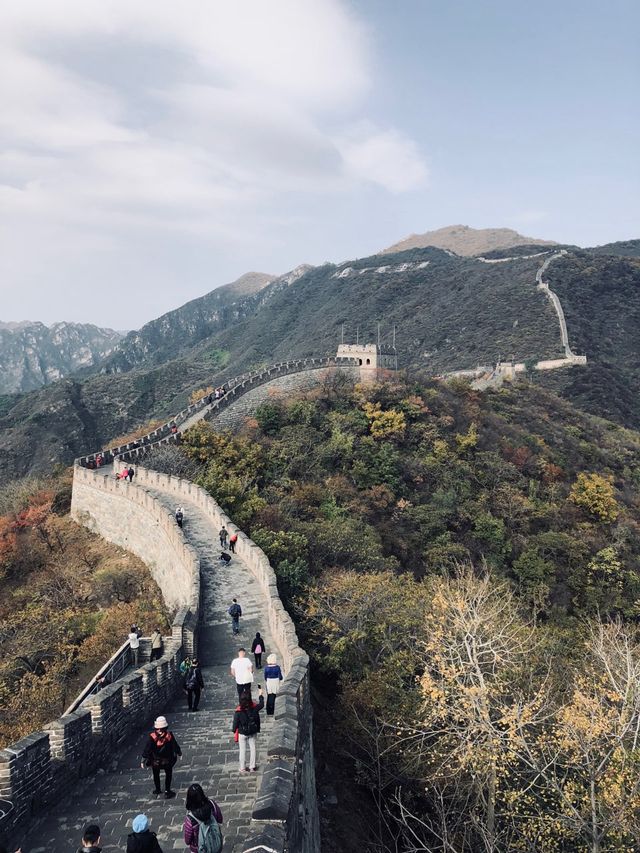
(257, 647)
(90, 839)
(246, 723)
(161, 752)
(194, 685)
(142, 840)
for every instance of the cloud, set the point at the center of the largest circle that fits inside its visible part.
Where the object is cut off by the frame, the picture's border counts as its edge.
(146, 116)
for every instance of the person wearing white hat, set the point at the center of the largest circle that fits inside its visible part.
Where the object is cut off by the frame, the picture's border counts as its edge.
(161, 752)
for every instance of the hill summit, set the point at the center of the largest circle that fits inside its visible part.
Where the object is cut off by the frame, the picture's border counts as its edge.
(464, 240)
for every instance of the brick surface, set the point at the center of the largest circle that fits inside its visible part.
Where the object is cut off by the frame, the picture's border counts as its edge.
(210, 755)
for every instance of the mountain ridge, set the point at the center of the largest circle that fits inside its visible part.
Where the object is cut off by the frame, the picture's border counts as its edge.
(466, 241)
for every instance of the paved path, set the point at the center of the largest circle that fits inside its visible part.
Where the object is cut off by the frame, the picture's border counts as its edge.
(209, 754)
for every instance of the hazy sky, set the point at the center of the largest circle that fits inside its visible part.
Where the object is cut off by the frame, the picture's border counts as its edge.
(153, 150)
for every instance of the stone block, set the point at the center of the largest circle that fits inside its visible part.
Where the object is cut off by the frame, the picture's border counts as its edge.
(276, 791)
(266, 839)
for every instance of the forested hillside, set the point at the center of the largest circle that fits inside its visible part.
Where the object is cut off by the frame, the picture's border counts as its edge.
(450, 313)
(454, 561)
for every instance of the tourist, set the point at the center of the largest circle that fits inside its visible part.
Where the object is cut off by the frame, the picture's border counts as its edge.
(223, 536)
(174, 429)
(90, 839)
(134, 645)
(185, 666)
(235, 611)
(203, 814)
(130, 472)
(257, 647)
(179, 516)
(272, 678)
(161, 752)
(246, 727)
(194, 685)
(102, 681)
(232, 542)
(242, 671)
(225, 558)
(156, 644)
(142, 840)
(124, 474)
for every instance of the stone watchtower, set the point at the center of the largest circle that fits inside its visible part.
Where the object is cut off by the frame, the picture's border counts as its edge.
(370, 357)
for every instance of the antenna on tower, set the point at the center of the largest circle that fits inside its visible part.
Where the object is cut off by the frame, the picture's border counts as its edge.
(394, 337)
(378, 335)
(342, 341)
(357, 335)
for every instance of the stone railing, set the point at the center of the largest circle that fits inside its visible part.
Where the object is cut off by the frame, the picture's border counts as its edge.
(39, 770)
(285, 812)
(234, 389)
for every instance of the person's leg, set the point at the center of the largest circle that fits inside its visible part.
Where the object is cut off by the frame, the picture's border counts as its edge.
(190, 698)
(196, 698)
(168, 775)
(271, 704)
(241, 689)
(259, 660)
(236, 625)
(242, 742)
(252, 752)
(156, 779)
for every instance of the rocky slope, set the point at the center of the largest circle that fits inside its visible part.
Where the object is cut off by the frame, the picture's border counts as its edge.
(32, 354)
(464, 240)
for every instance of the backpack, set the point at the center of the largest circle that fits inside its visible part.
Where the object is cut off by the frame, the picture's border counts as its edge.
(209, 835)
(235, 610)
(192, 679)
(249, 726)
(258, 650)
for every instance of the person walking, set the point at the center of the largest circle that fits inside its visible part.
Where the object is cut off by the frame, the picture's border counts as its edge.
(203, 817)
(130, 472)
(223, 536)
(242, 670)
(161, 752)
(272, 678)
(235, 611)
(194, 685)
(156, 644)
(232, 542)
(90, 839)
(257, 649)
(246, 723)
(179, 516)
(134, 645)
(142, 840)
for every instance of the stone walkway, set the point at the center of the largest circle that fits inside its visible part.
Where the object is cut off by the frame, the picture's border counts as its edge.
(210, 755)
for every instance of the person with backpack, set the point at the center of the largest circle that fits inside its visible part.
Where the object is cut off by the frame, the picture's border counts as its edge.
(232, 542)
(179, 516)
(257, 648)
(194, 685)
(223, 536)
(272, 678)
(161, 752)
(142, 840)
(185, 666)
(246, 727)
(235, 611)
(202, 833)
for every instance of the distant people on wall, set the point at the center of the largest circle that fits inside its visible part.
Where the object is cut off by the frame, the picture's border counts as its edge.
(232, 542)
(193, 685)
(272, 678)
(134, 645)
(225, 558)
(257, 648)
(235, 611)
(130, 472)
(179, 516)
(161, 752)
(156, 644)
(223, 536)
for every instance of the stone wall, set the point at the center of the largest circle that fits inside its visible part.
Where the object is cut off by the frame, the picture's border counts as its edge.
(285, 812)
(37, 771)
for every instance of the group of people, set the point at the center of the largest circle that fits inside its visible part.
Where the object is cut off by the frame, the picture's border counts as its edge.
(201, 830)
(157, 644)
(227, 541)
(127, 473)
(217, 394)
(96, 462)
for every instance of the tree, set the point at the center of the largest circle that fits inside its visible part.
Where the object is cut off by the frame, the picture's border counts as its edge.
(594, 493)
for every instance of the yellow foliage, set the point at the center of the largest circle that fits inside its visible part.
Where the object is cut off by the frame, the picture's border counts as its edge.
(199, 393)
(384, 424)
(594, 493)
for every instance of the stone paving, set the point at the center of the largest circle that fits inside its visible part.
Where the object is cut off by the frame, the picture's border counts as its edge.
(209, 754)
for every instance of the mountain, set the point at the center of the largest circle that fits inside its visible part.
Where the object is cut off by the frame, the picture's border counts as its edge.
(175, 332)
(450, 313)
(464, 240)
(32, 354)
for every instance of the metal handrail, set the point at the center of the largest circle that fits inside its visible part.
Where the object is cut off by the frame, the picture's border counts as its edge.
(117, 664)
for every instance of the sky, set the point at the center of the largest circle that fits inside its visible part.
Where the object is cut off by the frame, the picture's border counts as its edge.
(151, 151)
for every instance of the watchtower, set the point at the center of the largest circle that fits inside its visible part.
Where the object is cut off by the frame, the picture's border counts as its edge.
(370, 357)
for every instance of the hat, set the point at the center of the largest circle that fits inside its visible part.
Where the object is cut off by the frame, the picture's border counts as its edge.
(140, 822)
(161, 723)
(272, 659)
